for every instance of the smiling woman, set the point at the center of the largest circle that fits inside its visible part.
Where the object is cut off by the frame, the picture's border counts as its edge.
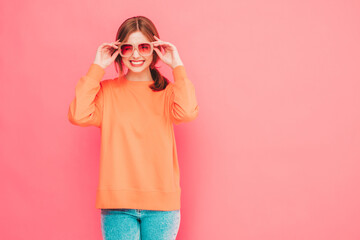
(139, 168)
(135, 39)
(137, 55)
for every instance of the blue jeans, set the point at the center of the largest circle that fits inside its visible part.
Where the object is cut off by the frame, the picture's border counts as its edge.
(135, 224)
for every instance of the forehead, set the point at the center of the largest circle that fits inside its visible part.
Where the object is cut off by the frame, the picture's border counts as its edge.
(137, 37)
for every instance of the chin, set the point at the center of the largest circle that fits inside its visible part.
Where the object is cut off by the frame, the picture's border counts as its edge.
(137, 69)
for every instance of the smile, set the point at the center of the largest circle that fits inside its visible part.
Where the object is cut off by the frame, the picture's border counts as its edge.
(137, 63)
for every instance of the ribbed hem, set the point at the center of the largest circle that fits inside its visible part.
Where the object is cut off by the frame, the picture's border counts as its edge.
(95, 72)
(179, 72)
(148, 200)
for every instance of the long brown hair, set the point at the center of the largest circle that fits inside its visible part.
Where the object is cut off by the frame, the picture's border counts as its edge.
(146, 26)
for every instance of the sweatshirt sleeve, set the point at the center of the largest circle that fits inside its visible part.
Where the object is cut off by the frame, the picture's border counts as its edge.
(87, 106)
(183, 103)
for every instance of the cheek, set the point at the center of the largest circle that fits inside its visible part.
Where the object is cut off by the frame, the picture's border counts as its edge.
(125, 61)
(150, 58)
(148, 61)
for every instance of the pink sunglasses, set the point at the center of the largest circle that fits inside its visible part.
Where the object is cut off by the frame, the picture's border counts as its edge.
(144, 49)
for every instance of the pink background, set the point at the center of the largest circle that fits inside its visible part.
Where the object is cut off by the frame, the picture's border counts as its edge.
(273, 154)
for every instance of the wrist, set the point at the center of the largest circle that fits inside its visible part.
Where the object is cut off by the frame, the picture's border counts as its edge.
(99, 64)
(176, 64)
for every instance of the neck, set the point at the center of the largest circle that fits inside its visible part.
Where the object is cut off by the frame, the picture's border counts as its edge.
(139, 76)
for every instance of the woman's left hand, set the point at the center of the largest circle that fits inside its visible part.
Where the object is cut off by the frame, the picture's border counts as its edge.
(171, 56)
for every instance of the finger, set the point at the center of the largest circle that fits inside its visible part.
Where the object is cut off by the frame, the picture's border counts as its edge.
(163, 47)
(112, 45)
(115, 54)
(158, 39)
(105, 44)
(160, 48)
(158, 53)
(116, 41)
(110, 48)
(163, 44)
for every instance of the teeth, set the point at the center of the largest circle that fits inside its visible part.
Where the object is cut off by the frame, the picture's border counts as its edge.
(137, 62)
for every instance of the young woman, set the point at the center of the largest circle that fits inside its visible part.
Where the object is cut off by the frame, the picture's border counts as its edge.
(139, 182)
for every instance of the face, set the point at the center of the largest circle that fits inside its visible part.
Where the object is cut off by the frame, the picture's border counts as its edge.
(135, 38)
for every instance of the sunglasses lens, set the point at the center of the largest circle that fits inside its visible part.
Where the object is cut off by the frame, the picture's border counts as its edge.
(126, 50)
(145, 49)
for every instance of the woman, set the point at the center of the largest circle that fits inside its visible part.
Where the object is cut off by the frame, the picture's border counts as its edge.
(139, 182)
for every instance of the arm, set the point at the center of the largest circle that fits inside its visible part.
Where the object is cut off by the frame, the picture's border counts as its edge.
(183, 103)
(86, 108)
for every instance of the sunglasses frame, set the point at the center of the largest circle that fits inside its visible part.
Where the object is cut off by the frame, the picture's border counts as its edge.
(136, 46)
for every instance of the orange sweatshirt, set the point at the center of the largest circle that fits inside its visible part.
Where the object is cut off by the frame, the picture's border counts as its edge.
(138, 158)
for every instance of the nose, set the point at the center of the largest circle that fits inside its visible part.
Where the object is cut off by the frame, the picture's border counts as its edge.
(136, 53)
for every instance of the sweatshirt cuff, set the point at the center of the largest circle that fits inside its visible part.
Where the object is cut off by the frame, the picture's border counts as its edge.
(179, 72)
(95, 71)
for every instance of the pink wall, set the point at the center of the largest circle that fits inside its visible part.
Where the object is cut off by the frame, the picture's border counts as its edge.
(273, 154)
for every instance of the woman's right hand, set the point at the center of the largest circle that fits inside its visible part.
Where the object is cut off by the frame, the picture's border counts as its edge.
(105, 54)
